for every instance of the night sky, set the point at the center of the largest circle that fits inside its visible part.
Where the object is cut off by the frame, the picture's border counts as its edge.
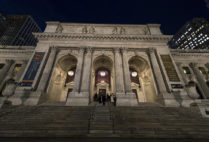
(171, 14)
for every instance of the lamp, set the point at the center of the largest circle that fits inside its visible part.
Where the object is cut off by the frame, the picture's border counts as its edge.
(70, 73)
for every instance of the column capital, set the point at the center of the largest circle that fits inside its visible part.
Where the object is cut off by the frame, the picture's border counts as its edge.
(193, 65)
(123, 50)
(25, 61)
(89, 50)
(116, 50)
(10, 61)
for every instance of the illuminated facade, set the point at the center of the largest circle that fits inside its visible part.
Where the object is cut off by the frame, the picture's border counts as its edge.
(73, 62)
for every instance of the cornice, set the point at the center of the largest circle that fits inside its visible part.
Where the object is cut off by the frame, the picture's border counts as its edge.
(16, 51)
(64, 36)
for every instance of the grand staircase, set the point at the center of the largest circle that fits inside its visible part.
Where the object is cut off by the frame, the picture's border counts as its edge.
(101, 122)
(146, 121)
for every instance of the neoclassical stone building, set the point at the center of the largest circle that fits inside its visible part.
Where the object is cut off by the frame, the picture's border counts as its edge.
(72, 62)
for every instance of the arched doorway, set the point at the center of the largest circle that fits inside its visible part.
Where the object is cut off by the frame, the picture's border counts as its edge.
(62, 80)
(141, 80)
(102, 77)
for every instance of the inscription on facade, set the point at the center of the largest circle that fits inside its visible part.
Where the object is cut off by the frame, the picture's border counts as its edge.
(170, 69)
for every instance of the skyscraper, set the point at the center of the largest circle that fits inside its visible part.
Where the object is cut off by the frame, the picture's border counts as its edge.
(18, 30)
(193, 35)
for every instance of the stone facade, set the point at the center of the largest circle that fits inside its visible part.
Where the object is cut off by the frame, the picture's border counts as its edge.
(162, 74)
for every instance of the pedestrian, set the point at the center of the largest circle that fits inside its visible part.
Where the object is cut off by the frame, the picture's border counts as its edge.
(103, 99)
(115, 99)
(111, 98)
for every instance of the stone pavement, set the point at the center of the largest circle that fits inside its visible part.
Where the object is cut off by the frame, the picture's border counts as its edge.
(146, 122)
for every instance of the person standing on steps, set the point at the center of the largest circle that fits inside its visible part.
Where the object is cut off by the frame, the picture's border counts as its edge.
(111, 99)
(115, 99)
(103, 99)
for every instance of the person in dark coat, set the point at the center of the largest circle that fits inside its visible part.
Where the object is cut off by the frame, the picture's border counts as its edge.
(103, 99)
(115, 99)
(95, 97)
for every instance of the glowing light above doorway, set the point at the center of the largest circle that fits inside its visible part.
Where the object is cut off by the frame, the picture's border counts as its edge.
(134, 74)
(70, 73)
(102, 73)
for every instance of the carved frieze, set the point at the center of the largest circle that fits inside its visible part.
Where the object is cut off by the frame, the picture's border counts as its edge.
(64, 36)
(88, 30)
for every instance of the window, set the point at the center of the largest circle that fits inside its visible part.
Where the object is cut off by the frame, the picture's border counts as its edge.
(202, 70)
(186, 70)
(1, 66)
(17, 68)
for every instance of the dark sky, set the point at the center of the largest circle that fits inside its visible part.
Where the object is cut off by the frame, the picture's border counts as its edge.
(171, 14)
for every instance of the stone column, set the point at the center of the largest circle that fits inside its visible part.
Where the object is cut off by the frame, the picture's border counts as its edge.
(75, 98)
(34, 97)
(4, 72)
(201, 80)
(163, 96)
(86, 80)
(126, 72)
(130, 98)
(121, 66)
(119, 82)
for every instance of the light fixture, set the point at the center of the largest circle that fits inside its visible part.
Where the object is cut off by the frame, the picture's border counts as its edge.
(134, 74)
(70, 73)
(102, 73)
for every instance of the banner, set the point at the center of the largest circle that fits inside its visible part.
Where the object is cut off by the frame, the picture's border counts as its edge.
(32, 69)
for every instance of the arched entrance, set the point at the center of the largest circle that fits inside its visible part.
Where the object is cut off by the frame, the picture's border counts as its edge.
(62, 80)
(102, 77)
(141, 80)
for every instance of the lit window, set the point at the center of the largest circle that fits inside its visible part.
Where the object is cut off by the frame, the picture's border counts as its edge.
(17, 68)
(186, 70)
(202, 70)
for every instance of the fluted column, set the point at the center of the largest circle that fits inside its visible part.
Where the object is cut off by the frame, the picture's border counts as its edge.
(85, 85)
(163, 96)
(125, 97)
(127, 80)
(4, 72)
(34, 97)
(78, 73)
(118, 73)
(200, 79)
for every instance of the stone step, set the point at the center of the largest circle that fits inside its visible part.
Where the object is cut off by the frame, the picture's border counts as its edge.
(104, 132)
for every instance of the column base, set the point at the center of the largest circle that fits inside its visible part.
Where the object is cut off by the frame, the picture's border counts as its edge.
(17, 98)
(78, 99)
(2, 99)
(33, 98)
(128, 99)
(203, 107)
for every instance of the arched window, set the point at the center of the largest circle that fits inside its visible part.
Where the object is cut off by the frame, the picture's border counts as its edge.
(202, 70)
(186, 70)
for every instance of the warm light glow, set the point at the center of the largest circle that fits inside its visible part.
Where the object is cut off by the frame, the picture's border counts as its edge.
(102, 73)
(102, 81)
(134, 74)
(185, 71)
(70, 73)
